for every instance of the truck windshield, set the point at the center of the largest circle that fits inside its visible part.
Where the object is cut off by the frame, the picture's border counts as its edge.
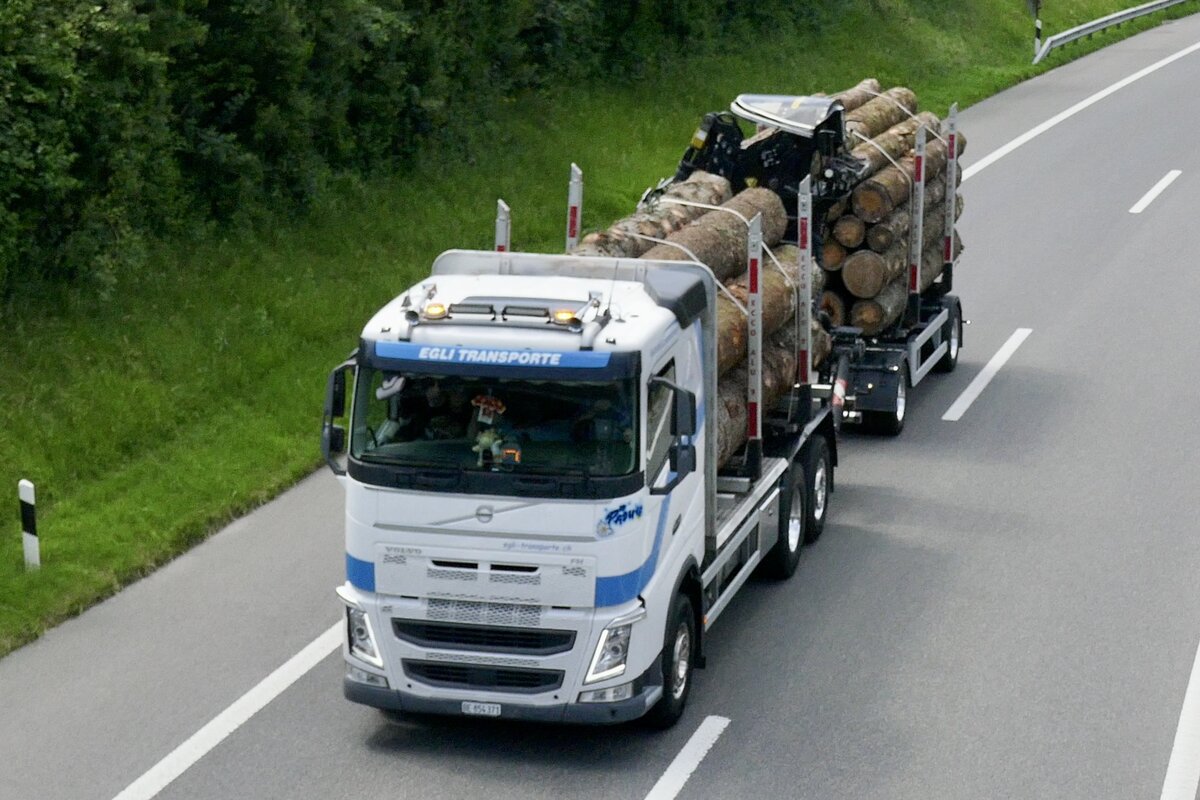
(553, 427)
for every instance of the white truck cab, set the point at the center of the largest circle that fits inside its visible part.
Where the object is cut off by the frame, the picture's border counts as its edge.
(535, 525)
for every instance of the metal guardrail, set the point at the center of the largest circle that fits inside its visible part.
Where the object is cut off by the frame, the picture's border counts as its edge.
(1088, 28)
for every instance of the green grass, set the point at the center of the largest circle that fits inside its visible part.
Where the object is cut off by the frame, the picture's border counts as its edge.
(194, 393)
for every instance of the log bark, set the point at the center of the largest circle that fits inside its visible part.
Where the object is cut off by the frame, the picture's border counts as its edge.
(886, 190)
(895, 141)
(719, 238)
(659, 221)
(873, 118)
(934, 261)
(778, 374)
(866, 272)
(859, 95)
(779, 305)
(849, 231)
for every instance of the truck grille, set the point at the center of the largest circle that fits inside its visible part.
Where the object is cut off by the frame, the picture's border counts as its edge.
(483, 638)
(499, 679)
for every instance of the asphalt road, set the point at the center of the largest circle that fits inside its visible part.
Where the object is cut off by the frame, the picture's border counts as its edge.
(1002, 606)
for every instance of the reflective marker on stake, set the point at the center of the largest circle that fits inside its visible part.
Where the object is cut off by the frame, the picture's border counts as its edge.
(804, 287)
(754, 340)
(28, 498)
(574, 207)
(503, 227)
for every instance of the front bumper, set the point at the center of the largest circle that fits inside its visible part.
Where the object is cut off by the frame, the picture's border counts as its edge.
(584, 713)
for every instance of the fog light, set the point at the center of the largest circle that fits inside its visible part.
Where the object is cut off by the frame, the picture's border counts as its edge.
(362, 676)
(610, 695)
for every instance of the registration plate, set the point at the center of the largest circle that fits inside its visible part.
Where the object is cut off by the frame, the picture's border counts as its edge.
(481, 709)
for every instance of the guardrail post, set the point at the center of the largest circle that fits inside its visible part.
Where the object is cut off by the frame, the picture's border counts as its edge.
(29, 534)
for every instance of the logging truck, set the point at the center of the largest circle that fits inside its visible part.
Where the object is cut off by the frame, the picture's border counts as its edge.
(542, 520)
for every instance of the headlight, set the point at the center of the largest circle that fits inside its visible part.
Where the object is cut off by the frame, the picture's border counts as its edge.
(613, 647)
(361, 637)
(611, 652)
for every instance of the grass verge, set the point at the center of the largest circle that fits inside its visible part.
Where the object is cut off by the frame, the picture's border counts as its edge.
(194, 394)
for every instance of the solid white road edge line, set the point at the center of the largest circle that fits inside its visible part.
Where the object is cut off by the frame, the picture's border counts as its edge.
(202, 741)
(1155, 191)
(955, 412)
(1183, 770)
(672, 781)
(1032, 133)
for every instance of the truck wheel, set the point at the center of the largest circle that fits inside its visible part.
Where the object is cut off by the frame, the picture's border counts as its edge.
(819, 482)
(949, 360)
(678, 655)
(890, 423)
(782, 559)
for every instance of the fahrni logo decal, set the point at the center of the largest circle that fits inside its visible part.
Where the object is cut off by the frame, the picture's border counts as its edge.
(615, 518)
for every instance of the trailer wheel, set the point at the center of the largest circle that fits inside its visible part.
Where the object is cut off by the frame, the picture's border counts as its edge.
(949, 360)
(890, 423)
(782, 559)
(819, 483)
(678, 658)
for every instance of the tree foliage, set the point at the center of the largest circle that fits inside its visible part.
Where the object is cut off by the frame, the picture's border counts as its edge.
(123, 119)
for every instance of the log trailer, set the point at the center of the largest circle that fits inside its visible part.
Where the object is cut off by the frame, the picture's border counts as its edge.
(536, 524)
(801, 136)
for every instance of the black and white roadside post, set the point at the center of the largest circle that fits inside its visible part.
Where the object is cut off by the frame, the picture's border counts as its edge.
(503, 227)
(1035, 8)
(574, 206)
(33, 555)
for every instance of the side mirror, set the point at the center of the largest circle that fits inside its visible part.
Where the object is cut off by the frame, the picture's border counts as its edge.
(683, 459)
(683, 414)
(333, 437)
(335, 393)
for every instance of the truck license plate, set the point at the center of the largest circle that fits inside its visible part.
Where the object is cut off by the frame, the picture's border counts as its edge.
(481, 709)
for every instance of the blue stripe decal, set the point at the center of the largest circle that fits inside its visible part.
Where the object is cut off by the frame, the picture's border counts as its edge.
(361, 574)
(428, 354)
(621, 588)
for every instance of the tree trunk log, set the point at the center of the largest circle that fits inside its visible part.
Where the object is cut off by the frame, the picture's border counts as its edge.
(886, 190)
(778, 374)
(832, 254)
(833, 305)
(866, 272)
(779, 305)
(895, 141)
(659, 221)
(861, 94)
(719, 238)
(873, 118)
(894, 226)
(849, 231)
(876, 314)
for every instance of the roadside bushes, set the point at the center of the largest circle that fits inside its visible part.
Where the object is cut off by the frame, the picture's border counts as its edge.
(123, 120)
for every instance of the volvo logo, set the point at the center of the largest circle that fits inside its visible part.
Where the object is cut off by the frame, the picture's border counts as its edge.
(484, 514)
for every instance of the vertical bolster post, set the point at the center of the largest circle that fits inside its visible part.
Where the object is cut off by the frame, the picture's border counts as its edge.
(916, 231)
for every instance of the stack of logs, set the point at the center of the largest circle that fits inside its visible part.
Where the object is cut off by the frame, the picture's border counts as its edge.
(862, 261)
(865, 241)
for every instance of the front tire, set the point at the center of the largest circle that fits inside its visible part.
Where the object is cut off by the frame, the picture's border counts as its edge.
(678, 657)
